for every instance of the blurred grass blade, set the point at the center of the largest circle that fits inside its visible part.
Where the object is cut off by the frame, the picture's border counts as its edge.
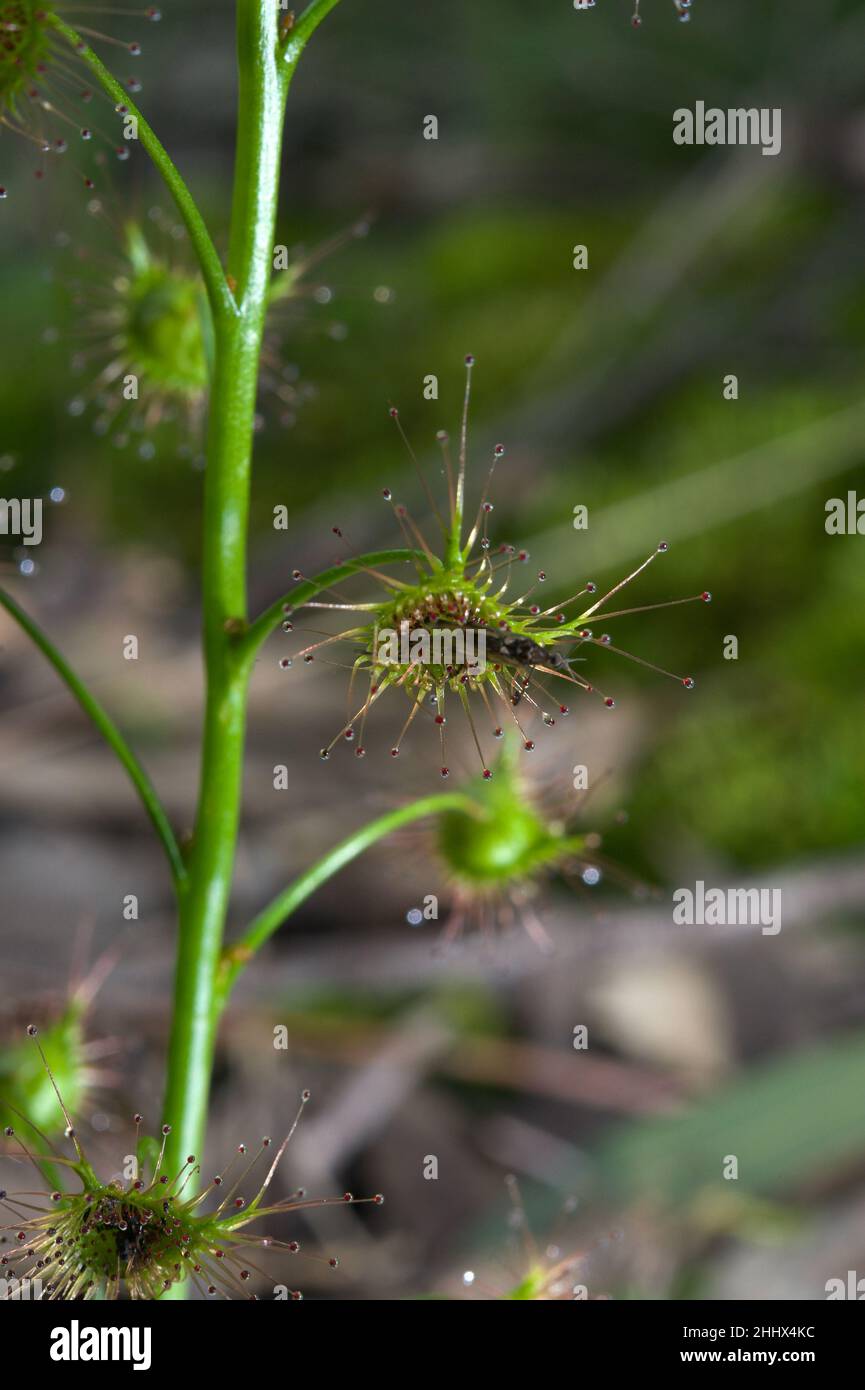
(109, 731)
(789, 1123)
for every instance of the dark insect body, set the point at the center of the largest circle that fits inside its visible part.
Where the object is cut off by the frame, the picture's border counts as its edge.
(517, 650)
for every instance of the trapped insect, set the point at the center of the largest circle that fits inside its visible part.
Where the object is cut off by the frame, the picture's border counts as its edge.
(463, 593)
(522, 652)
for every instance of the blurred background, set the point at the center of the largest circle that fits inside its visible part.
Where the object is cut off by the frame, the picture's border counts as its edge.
(606, 386)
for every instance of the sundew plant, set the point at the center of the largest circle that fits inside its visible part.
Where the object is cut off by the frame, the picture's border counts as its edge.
(453, 619)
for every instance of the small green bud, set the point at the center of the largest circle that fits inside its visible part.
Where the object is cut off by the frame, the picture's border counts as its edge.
(506, 840)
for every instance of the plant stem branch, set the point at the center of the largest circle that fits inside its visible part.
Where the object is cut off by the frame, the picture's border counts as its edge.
(237, 955)
(309, 21)
(109, 731)
(221, 299)
(307, 589)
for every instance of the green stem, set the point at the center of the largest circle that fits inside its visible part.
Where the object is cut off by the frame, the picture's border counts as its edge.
(237, 955)
(219, 293)
(109, 731)
(262, 90)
